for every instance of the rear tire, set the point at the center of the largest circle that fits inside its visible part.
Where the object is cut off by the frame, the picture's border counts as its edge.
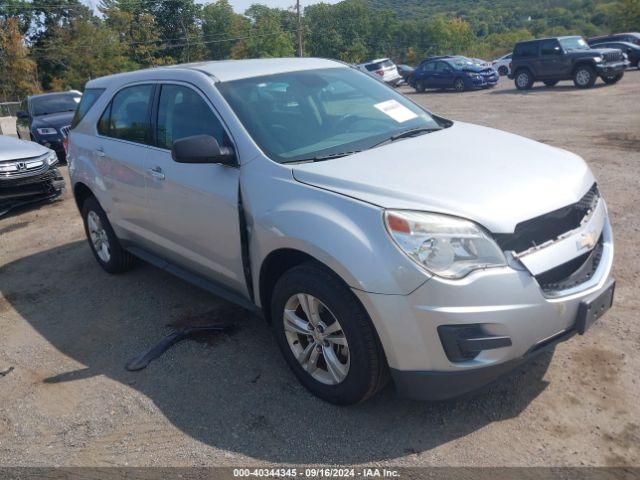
(420, 88)
(550, 83)
(584, 77)
(523, 79)
(356, 368)
(102, 239)
(613, 78)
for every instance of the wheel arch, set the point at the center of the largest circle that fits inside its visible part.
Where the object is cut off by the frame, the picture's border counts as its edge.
(276, 264)
(582, 63)
(80, 193)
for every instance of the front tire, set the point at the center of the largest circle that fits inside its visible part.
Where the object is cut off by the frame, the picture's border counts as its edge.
(584, 77)
(102, 239)
(502, 71)
(523, 80)
(458, 85)
(610, 80)
(326, 336)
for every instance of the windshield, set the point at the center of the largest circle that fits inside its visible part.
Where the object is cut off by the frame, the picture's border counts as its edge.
(574, 43)
(63, 102)
(302, 115)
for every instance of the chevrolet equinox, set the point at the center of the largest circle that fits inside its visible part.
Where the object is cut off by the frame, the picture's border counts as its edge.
(376, 238)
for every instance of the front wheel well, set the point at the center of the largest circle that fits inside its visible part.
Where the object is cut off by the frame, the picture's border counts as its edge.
(81, 192)
(274, 266)
(582, 64)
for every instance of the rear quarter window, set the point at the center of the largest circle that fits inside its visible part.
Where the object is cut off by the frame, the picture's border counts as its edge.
(525, 50)
(88, 99)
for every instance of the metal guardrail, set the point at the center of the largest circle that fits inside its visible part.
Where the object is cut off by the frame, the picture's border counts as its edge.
(9, 109)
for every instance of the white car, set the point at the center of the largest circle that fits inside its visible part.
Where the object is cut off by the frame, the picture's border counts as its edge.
(503, 64)
(383, 69)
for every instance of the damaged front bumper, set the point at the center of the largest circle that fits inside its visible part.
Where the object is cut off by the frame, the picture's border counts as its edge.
(17, 192)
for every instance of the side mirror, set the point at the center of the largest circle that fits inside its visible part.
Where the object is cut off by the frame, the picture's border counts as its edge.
(202, 149)
(22, 114)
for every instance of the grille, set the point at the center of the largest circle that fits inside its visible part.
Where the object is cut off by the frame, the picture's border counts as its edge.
(613, 56)
(572, 273)
(49, 176)
(25, 167)
(65, 130)
(549, 226)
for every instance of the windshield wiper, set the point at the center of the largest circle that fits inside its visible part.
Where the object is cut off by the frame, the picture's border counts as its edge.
(321, 158)
(407, 134)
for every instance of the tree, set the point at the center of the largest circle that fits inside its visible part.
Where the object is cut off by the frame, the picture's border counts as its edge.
(136, 29)
(267, 37)
(627, 16)
(17, 71)
(220, 26)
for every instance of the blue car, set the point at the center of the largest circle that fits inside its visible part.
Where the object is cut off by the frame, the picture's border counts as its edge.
(459, 73)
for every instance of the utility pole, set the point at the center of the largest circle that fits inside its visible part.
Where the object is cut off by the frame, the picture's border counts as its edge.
(299, 28)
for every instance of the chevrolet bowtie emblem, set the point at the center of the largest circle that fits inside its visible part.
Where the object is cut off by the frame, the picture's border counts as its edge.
(587, 240)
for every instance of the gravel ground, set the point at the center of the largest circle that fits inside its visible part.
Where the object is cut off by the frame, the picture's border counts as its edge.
(67, 330)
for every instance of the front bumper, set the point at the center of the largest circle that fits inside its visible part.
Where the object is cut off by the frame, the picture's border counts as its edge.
(505, 301)
(27, 190)
(612, 68)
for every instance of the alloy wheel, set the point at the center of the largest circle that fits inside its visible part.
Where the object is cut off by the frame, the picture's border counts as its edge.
(459, 85)
(522, 80)
(98, 236)
(583, 77)
(316, 339)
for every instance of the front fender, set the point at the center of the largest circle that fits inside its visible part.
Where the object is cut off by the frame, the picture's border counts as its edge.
(346, 235)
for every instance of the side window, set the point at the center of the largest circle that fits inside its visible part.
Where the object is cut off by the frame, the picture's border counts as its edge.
(443, 67)
(550, 47)
(183, 113)
(430, 67)
(527, 50)
(127, 117)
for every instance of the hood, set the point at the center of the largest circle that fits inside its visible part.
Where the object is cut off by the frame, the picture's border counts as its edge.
(599, 51)
(492, 177)
(55, 120)
(14, 149)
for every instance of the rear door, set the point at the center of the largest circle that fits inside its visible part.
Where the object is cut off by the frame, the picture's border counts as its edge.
(120, 149)
(193, 207)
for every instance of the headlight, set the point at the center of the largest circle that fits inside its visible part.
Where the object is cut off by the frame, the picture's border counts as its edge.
(46, 131)
(446, 246)
(52, 158)
(597, 59)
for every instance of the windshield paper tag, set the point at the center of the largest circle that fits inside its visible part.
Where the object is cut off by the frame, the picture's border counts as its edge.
(396, 110)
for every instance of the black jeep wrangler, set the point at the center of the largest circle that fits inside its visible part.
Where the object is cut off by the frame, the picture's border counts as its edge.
(565, 58)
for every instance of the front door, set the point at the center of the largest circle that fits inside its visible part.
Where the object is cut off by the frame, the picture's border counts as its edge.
(551, 61)
(194, 207)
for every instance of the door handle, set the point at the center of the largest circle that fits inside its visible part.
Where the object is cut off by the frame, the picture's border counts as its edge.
(157, 173)
(99, 152)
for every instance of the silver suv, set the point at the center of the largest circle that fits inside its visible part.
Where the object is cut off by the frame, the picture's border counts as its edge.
(376, 238)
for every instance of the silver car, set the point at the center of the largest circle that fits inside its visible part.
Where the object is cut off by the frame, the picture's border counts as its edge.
(375, 237)
(28, 174)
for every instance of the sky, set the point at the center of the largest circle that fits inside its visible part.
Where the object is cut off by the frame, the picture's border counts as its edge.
(241, 5)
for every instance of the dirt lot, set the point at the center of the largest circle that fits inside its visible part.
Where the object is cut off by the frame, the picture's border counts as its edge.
(67, 330)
